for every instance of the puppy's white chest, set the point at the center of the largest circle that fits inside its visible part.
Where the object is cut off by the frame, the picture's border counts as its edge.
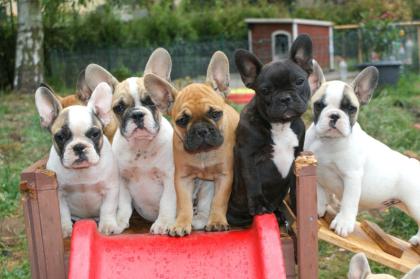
(285, 141)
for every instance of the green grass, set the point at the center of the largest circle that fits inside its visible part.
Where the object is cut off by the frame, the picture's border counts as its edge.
(389, 117)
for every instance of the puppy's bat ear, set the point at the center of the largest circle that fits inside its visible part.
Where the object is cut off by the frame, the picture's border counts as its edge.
(159, 63)
(95, 74)
(301, 52)
(365, 83)
(100, 102)
(161, 92)
(413, 274)
(47, 104)
(359, 267)
(317, 78)
(83, 90)
(218, 73)
(249, 67)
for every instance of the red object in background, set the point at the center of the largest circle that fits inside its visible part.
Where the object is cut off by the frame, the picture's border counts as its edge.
(252, 253)
(240, 99)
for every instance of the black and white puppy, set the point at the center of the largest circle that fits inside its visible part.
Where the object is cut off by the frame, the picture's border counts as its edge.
(270, 133)
(82, 158)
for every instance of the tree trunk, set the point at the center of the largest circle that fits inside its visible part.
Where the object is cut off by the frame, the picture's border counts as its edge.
(29, 65)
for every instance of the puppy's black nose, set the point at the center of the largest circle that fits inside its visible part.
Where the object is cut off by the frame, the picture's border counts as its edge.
(334, 117)
(79, 148)
(202, 132)
(285, 100)
(137, 115)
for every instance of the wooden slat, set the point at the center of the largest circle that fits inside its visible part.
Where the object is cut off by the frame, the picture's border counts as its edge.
(306, 216)
(384, 241)
(359, 241)
(416, 249)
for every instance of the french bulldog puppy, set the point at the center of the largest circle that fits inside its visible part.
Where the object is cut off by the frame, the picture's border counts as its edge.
(82, 158)
(270, 133)
(358, 169)
(142, 145)
(204, 136)
(359, 269)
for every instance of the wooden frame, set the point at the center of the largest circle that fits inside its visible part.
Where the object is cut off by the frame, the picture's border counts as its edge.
(48, 251)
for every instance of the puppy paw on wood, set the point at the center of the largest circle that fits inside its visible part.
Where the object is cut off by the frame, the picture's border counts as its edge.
(258, 205)
(180, 229)
(343, 225)
(109, 226)
(161, 226)
(217, 223)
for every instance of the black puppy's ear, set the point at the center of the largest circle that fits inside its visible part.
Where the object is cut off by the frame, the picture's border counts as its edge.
(249, 67)
(301, 52)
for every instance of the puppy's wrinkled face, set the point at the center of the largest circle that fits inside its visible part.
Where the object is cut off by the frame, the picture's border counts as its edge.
(138, 116)
(197, 115)
(335, 108)
(282, 91)
(77, 137)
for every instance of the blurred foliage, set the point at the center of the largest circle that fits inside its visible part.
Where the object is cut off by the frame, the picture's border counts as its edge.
(352, 11)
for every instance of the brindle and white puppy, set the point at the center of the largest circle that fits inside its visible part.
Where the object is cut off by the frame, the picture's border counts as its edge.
(142, 145)
(360, 269)
(358, 169)
(82, 158)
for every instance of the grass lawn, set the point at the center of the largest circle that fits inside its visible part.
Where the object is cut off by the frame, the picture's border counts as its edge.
(390, 117)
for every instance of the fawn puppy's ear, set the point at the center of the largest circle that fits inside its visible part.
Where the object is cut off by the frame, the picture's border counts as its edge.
(301, 52)
(159, 63)
(95, 74)
(359, 267)
(249, 67)
(317, 78)
(365, 83)
(162, 92)
(47, 104)
(218, 73)
(100, 102)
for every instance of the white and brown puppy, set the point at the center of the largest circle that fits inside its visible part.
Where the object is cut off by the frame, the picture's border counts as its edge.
(142, 145)
(358, 169)
(204, 136)
(359, 269)
(82, 158)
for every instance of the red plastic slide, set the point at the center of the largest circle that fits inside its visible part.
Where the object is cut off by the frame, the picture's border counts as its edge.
(252, 253)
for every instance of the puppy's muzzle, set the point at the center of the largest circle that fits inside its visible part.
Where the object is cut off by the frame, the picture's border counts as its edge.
(79, 151)
(333, 119)
(138, 118)
(202, 137)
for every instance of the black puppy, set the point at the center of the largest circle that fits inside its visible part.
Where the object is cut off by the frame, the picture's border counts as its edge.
(270, 133)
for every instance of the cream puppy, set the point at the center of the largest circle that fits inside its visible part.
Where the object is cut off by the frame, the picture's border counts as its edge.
(358, 169)
(82, 158)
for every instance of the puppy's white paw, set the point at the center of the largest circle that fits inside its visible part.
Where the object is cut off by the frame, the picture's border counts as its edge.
(66, 228)
(109, 226)
(415, 240)
(199, 222)
(161, 226)
(343, 225)
(123, 221)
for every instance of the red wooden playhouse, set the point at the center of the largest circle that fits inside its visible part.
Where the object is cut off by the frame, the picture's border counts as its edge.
(271, 38)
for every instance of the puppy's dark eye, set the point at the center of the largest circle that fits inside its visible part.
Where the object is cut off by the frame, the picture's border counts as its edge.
(265, 91)
(59, 138)
(183, 120)
(299, 81)
(119, 109)
(215, 115)
(352, 109)
(93, 134)
(319, 106)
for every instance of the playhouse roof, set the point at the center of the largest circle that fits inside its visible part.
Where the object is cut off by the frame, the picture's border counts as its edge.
(289, 20)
